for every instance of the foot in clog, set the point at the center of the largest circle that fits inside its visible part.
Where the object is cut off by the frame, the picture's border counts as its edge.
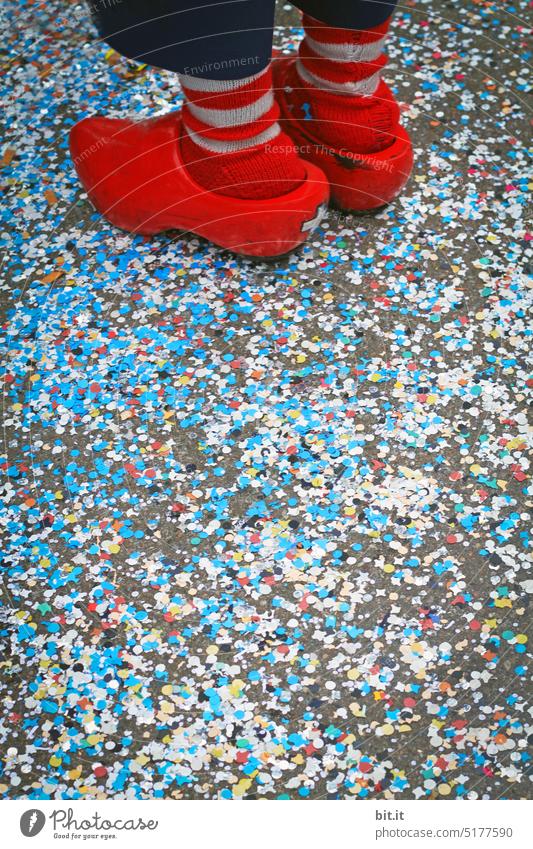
(342, 116)
(209, 169)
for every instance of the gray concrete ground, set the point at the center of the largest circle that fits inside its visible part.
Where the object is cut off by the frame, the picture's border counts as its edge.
(265, 525)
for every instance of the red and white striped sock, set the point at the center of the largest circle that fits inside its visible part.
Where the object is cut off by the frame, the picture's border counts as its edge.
(337, 86)
(232, 143)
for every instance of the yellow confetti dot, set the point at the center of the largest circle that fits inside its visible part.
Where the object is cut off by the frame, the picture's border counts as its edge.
(241, 788)
(521, 638)
(235, 687)
(445, 789)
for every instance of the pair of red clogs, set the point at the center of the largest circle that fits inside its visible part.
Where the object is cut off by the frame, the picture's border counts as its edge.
(135, 177)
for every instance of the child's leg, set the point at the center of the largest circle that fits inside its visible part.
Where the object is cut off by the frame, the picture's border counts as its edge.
(222, 53)
(339, 73)
(220, 167)
(336, 107)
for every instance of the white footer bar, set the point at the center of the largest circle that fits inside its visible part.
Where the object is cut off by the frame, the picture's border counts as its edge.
(349, 824)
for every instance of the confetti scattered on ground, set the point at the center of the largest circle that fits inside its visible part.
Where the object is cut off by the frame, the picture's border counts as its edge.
(265, 526)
